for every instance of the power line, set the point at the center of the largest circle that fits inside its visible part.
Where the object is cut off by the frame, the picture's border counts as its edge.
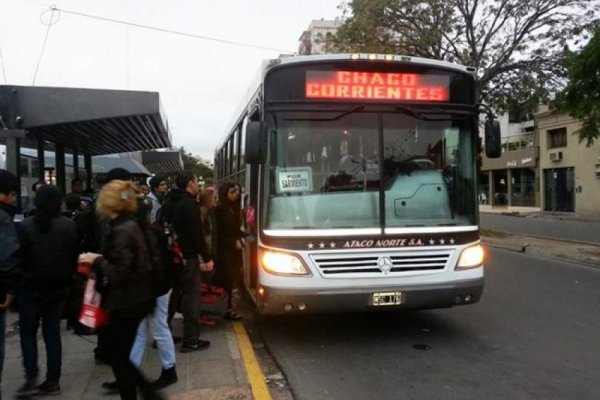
(164, 30)
(37, 67)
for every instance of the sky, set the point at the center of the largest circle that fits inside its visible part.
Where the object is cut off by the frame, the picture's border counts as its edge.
(200, 82)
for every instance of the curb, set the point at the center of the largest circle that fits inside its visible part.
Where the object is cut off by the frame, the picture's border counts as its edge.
(596, 244)
(260, 390)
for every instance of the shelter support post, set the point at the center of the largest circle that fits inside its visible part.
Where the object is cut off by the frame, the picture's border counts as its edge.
(41, 160)
(87, 161)
(13, 155)
(75, 163)
(60, 167)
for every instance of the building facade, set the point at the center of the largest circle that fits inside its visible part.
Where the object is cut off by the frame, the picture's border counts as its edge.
(318, 38)
(512, 179)
(543, 165)
(569, 170)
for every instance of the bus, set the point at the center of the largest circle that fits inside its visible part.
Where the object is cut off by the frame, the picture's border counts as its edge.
(359, 174)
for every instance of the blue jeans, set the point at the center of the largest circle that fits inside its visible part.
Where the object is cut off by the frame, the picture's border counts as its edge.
(159, 328)
(47, 306)
(2, 338)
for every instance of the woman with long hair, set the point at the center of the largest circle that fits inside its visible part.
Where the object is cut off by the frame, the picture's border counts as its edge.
(228, 241)
(123, 275)
(49, 245)
(208, 200)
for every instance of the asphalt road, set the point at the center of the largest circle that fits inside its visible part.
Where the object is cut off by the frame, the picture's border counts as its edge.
(534, 335)
(575, 230)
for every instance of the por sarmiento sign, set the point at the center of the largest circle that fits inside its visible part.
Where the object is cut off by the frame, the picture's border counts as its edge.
(291, 180)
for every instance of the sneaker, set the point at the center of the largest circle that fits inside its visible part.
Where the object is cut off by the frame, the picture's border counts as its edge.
(112, 387)
(48, 389)
(206, 319)
(167, 377)
(194, 346)
(232, 315)
(178, 316)
(28, 388)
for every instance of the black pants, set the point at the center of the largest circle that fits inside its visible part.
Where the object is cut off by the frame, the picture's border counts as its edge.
(119, 336)
(229, 270)
(46, 305)
(186, 298)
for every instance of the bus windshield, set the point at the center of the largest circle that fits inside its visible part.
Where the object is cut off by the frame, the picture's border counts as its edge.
(328, 170)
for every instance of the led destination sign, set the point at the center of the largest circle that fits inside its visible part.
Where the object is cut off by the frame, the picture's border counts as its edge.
(376, 86)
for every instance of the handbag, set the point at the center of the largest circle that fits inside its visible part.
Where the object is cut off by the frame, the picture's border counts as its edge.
(92, 314)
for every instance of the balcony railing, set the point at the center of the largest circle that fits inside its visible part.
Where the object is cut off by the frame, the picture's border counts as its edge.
(517, 142)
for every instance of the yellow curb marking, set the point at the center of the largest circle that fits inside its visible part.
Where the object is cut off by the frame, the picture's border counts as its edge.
(255, 375)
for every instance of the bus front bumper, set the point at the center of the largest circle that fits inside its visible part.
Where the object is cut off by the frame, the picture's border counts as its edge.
(276, 301)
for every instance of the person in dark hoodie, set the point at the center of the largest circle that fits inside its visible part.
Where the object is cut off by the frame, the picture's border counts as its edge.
(48, 246)
(9, 246)
(182, 211)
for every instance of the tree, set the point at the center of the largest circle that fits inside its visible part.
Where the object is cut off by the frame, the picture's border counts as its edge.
(581, 97)
(195, 164)
(517, 46)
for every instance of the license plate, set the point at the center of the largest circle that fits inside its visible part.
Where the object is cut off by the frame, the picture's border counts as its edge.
(387, 298)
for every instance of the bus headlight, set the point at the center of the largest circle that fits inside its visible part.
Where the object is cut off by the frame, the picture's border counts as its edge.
(471, 257)
(280, 263)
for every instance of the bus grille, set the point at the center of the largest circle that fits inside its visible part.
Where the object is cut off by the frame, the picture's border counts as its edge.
(344, 264)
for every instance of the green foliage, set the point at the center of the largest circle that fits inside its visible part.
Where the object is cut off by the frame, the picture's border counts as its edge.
(194, 164)
(581, 97)
(517, 46)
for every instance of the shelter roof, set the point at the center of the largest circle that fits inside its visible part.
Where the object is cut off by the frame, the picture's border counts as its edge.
(94, 121)
(162, 162)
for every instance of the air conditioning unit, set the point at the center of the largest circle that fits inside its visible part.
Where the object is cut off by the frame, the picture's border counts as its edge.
(557, 156)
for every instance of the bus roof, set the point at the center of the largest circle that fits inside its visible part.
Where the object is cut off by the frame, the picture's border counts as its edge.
(366, 57)
(291, 59)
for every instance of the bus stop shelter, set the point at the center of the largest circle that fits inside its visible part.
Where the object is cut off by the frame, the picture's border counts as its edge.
(90, 122)
(162, 162)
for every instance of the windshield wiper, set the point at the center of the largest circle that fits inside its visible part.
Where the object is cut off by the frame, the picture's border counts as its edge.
(336, 118)
(423, 117)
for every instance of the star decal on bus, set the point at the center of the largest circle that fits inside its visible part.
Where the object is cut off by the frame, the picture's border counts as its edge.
(452, 240)
(310, 246)
(431, 242)
(442, 241)
(321, 245)
(332, 245)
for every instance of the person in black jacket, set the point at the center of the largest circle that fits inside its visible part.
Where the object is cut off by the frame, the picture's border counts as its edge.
(229, 241)
(49, 245)
(9, 246)
(124, 275)
(182, 211)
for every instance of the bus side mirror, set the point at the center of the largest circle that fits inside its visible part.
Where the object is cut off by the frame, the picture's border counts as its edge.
(493, 147)
(256, 146)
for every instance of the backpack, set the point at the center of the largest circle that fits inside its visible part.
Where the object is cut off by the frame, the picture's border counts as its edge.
(158, 268)
(89, 229)
(168, 243)
(164, 255)
(173, 255)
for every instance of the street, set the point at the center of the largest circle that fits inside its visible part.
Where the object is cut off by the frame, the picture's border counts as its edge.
(532, 336)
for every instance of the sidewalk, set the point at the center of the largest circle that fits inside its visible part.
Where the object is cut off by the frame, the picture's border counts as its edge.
(217, 373)
(484, 208)
(536, 212)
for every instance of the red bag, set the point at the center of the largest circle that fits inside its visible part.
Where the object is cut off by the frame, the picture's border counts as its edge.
(251, 218)
(92, 315)
(213, 300)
